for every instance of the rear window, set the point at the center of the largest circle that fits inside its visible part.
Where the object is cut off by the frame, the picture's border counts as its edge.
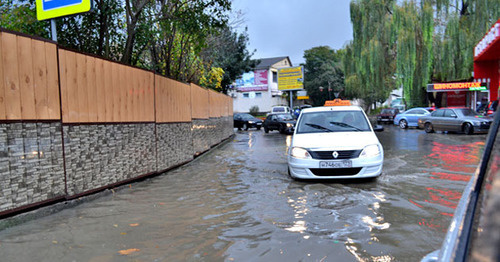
(279, 109)
(333, 121)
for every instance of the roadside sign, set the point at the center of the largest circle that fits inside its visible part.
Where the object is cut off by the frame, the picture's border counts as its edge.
(291, 78)
(47, 9)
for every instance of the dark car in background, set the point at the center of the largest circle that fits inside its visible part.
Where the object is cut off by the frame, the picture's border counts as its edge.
(246, 121)
(387, 115)
(284, 123)
(463, 120)
(474, 232)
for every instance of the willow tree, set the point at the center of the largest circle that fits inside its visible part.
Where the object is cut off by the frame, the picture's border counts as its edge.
(369, 58)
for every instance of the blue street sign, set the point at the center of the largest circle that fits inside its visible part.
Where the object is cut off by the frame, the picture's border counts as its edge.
(47, 9)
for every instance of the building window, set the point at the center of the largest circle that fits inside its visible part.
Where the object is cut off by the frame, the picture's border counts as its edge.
(246, 95)
(275, 77)
(258, 95)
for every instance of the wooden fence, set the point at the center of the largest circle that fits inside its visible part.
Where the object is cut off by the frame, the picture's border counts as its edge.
(29, 85)
(92, 89)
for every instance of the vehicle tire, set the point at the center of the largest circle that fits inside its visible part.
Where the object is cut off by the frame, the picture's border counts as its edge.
(245, 126)
(266, 130)
(403, 124)
(282, 130)
(468, 129)
(428, 128)
(258, 128)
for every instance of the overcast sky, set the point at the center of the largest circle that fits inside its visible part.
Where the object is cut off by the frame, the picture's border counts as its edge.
(288, 27)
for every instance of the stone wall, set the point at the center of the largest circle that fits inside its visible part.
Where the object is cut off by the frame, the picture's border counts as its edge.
(210, 132)
(31, 163)
(102, 155)
(174, 144)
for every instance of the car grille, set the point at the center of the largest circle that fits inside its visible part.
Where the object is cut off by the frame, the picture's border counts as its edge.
(343, 154)
(335, 171)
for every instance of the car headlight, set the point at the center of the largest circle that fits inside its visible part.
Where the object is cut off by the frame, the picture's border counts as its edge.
(251, 122)
(289, 125)
(298, 152)
(371, 151)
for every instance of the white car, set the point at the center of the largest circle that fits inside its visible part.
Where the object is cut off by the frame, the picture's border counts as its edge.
(335, 142)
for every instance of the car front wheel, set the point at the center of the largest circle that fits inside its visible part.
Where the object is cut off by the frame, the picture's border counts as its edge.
(403, 124)
(266, 130)
(468, 129)
(428, 128)
(245, 126)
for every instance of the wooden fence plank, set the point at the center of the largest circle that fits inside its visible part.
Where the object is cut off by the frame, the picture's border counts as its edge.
(129, 93)
(83, 97)
(25, 58)
(91, 88)
(108, 89)
(73, 98)
(63, 72)
(53, 97)
(100, 91)
(135, 94)
(40, 80)
(116, 91)
(123, 93)
(3, 114)
(11, 76)
(140, 97)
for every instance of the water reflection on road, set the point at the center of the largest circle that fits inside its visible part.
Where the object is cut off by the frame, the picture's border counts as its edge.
(237, 203)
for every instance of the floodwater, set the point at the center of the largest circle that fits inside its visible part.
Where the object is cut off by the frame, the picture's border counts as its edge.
(237, 203)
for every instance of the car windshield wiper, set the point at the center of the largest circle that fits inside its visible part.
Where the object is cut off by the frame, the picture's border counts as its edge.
(345, 125)
(318, 127)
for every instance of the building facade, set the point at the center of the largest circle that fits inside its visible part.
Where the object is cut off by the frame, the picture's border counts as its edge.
(260, 86)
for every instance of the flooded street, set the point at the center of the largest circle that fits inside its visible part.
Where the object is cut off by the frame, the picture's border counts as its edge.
(237, 203)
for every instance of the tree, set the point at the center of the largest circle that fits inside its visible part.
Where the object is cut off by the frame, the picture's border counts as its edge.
(323, 69)
(226, 49)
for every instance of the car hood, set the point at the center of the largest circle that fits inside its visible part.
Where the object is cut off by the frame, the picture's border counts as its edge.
(335, 140)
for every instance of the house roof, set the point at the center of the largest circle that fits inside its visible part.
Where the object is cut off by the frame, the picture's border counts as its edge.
(265, 63)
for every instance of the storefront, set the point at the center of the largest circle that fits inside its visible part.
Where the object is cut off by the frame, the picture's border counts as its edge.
(465, 94)
(487, 63)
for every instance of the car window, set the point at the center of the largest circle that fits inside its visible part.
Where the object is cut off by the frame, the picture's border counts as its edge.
(438, 113)
(413, 111)
(285, 117)
(278, 109)
(333, 121)
(467, 112)
(387, 111)
(246, 117)
(449, 113)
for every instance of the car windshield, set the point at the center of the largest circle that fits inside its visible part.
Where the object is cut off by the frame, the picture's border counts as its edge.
(285, 117)
(333, 121)
(246, 116)
(279, 109)
(387, 111)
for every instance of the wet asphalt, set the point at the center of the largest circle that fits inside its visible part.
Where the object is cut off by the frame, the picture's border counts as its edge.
(237, 203)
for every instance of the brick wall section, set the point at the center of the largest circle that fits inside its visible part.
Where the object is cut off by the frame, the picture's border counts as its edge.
(199, 129)
(101, 155)
(209, 132)
(175, 144)
(31, 163)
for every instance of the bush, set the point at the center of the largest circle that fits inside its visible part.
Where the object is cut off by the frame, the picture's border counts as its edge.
(254, 110)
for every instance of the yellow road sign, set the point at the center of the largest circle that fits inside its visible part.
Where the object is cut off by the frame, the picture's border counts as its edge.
(47, 9)
(291, 78)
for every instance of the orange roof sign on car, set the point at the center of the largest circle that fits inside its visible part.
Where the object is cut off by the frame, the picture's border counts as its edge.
(337, 102)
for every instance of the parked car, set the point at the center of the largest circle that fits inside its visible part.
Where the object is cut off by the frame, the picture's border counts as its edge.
(410, 118)
(387, 115)
(455, 119)
(473, 234)
(246, 121)
(284, 123)
(335, 142)
(280, 110)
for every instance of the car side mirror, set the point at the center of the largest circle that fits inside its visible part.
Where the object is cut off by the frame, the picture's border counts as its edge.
(378, 128)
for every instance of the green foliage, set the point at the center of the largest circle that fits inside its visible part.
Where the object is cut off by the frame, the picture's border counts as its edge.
(254, 110)
(20, 16)
(323, 68)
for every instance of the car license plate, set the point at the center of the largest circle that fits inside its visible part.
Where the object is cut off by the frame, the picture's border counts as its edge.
(335, 164)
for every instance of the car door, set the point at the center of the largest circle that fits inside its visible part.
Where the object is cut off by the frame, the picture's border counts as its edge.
(411, 117)
(237, 121)
(274, 122)
(450, 120)
(437, 119)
